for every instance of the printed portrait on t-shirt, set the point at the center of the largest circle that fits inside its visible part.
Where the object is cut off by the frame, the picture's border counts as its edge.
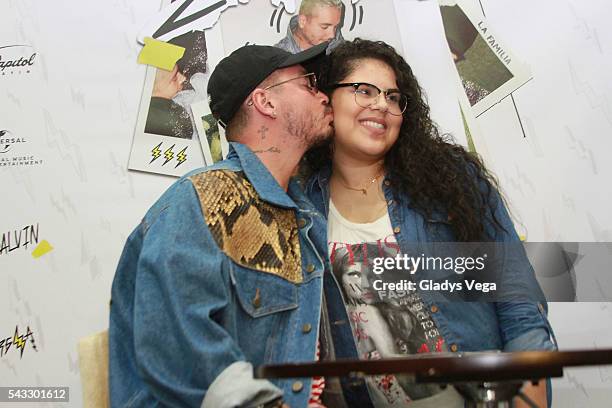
(385, 323)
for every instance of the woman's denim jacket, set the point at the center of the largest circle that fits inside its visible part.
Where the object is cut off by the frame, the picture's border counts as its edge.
(465, 326)
(183, 310)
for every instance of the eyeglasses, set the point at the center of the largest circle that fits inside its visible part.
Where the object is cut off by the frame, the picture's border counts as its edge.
(367, 94)
(311, 85)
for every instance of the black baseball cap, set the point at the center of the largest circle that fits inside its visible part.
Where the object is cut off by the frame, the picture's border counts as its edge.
(238, 74)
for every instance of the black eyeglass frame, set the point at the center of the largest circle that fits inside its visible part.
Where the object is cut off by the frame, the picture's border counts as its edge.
(386, 92)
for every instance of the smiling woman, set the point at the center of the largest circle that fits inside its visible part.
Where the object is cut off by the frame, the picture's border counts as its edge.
(444, 179)
(367, 121)
(388, 176)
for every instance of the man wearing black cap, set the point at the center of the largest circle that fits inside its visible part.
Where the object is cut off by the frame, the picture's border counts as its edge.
(224, 272)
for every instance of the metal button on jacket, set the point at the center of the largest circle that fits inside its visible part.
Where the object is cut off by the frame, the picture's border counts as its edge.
(257, 299)
(297, 386)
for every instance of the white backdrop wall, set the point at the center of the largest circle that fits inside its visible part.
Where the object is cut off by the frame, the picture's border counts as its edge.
(75, 112)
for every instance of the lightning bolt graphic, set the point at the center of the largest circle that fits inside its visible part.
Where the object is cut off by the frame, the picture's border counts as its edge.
(168, 154)
(181, 157)
(20, 340)
(597, 99)
(65, 146)
(156, 152)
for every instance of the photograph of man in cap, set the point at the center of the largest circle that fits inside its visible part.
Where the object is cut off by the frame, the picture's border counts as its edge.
(175, 90)
(225, 270)
(318, 21)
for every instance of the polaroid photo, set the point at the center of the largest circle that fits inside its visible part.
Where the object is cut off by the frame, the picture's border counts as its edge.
(277, 23)
(211, 135)
(489, 71)
(166, 140)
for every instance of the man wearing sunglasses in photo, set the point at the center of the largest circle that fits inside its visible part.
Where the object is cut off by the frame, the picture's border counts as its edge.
(225, 271)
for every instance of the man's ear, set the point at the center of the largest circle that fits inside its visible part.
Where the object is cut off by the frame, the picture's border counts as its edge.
(174, 74)
(302, 19)
(264, 103)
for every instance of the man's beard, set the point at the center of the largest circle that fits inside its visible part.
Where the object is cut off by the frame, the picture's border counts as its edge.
(306, 128)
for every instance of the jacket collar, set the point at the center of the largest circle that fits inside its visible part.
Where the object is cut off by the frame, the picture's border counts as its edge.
(293, 23)
(264, 183)
(322, 177)
(317, 188)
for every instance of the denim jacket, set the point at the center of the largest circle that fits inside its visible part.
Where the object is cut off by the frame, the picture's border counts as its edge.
(465, 326)
(225, 268)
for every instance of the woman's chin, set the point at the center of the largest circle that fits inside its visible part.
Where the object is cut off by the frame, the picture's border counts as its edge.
(366, 149)
(372, 150)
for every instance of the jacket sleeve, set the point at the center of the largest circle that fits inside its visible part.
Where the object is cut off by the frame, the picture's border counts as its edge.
(523, 323)
(182, 290)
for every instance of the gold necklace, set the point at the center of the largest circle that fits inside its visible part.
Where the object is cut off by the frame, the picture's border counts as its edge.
(364, 189)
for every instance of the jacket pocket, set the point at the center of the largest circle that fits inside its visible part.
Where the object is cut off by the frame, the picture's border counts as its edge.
(439, 228)
(261, 293)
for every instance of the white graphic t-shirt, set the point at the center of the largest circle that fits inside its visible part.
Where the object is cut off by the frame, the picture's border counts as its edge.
(384, 323)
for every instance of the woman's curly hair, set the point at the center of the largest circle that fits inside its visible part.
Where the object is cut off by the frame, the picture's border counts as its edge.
(437, 174)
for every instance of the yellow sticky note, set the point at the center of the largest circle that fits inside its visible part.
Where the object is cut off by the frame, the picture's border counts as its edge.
(160, 54)
(42, 248)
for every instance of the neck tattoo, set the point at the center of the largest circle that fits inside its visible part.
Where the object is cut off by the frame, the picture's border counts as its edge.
(262, 131)
(272, 149)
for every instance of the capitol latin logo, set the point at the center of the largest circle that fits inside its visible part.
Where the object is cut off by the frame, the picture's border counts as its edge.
(17, 59)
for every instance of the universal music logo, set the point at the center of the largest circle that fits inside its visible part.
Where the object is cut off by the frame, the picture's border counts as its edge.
(12, 152)
(7, 140)
(16, 59)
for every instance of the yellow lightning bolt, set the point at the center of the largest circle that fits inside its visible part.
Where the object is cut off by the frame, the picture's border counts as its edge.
(156, 152)
(168, 154)
(181, 157)
(18, 341)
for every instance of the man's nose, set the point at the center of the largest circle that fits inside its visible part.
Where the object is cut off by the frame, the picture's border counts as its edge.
(324, 98)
